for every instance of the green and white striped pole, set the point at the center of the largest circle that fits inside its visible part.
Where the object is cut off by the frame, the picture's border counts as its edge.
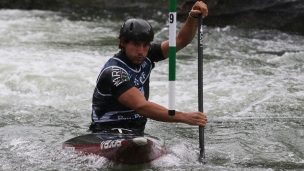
(172, 57)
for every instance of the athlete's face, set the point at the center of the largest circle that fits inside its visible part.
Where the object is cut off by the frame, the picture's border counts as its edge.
(136, 51)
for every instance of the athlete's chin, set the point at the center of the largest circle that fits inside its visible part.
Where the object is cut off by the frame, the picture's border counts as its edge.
(137, 62)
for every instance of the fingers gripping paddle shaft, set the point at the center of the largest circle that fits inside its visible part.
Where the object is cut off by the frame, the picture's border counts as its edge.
(200, 86)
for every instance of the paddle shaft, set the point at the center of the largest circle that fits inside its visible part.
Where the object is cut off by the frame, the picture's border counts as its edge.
(200, 86)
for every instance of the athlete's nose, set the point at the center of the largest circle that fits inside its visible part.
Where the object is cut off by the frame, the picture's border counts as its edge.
(140, 49)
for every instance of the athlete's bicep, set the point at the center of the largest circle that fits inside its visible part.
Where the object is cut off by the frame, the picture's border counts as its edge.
(132, 98)
(122, 88)
(165, 48)
(115, 81)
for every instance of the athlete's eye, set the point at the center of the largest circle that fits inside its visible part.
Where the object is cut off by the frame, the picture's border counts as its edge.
(136, 44)
(146, 45)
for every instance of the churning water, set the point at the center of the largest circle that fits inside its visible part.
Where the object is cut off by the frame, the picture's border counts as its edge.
(253, 94)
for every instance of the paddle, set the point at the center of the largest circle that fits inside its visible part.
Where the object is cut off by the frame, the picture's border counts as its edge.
(200, 86)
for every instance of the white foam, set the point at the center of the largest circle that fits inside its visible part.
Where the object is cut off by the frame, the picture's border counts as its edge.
(49, 65)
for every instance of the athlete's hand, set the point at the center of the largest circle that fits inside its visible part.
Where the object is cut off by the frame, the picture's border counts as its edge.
(195, 118)
(199, 8)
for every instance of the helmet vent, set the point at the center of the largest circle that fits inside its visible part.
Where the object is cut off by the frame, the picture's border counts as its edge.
(131, 27)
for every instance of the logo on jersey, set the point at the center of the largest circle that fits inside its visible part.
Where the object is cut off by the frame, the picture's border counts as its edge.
(119, 76)
(144, 64)
(128, 117)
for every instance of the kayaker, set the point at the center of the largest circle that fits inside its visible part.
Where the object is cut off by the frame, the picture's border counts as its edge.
(120, 98)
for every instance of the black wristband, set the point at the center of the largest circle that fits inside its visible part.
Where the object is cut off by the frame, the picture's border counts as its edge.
(192, 16)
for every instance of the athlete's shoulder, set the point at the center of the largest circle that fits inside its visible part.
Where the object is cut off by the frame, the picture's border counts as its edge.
(114, 75)
(155, 53)
(114, 61)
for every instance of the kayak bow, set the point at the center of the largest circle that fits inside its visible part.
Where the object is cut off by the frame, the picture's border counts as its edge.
(118, 147)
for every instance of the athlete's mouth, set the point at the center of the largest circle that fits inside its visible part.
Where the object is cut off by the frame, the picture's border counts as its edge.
(139, 57)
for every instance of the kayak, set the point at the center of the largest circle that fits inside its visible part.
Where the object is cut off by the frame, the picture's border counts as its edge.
(125, 148)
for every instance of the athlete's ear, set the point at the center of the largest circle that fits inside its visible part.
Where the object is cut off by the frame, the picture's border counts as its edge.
(122, 43)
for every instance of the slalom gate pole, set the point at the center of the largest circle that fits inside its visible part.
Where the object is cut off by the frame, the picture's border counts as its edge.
(200, 86)
(172, 57)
